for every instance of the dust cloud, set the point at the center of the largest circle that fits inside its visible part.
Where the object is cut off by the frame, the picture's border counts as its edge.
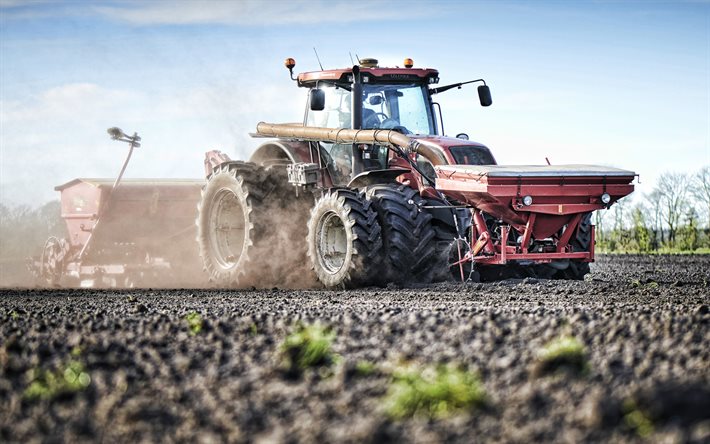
(283, 255)
(147, 238)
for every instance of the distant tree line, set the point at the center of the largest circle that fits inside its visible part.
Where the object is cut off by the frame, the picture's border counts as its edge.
(24, 230)
(674, 217)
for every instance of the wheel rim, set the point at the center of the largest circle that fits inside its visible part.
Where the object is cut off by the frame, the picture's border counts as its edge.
(332, 245)
(50, 261)
(227, 233)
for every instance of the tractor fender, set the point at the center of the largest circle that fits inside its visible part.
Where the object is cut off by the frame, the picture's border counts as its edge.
(281, 151)
(376, 176)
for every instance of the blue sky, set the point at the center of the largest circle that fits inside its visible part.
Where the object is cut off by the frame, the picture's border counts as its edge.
(609, 82)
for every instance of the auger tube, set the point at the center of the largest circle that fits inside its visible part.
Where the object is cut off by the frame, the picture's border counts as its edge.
(343, 135)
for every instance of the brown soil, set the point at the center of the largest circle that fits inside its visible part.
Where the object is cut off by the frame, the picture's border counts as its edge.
(644, 321)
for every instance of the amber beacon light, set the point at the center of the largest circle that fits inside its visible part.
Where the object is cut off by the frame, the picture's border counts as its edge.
(408, 63)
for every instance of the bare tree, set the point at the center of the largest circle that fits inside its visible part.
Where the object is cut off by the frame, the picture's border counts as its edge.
(23, 229)
(620, 214)
(655, 208)
(700, 189)
(673, 188)
(599, 226)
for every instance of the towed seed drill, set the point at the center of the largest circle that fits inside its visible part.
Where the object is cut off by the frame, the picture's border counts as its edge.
(124, 232)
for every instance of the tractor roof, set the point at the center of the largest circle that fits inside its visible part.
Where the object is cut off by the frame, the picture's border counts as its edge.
(373, 75)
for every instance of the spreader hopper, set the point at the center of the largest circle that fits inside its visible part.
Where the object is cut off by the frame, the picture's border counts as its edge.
(542, 205)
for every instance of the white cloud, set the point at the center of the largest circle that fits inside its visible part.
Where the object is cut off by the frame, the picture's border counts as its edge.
(256, 12)
(64, 103)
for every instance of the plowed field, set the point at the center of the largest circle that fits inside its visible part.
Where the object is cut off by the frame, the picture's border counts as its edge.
(206, 365)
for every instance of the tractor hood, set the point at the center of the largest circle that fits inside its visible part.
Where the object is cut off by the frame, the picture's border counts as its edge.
(458, 151)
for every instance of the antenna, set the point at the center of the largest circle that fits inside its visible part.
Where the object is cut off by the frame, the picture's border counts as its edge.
(318, 58)
(358, 59)
(351, 57)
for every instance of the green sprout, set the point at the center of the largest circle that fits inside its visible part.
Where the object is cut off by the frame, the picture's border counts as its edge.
(562, 353)
(194, 322)
(309, 346)
(433, 392)
(652, 285)
(636, 420)
(48, 385)
(365, 368)
(14, 314)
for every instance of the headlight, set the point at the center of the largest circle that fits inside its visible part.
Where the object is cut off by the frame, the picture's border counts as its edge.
(527, 200)
(606, 198)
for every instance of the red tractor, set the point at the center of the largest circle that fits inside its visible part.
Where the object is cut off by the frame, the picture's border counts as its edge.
(367, 190)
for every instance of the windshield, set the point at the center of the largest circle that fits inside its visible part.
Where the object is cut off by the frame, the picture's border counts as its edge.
(390, 106)
(383, 106)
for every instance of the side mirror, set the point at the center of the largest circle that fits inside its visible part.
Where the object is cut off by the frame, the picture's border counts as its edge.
(317, 99)
(375, 100)
(484, 95)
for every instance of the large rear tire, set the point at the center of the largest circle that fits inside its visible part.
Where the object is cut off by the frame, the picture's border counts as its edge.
(231, 224)
(344, 242)
(407, 234)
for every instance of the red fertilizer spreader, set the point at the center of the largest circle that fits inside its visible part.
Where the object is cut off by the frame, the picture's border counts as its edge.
(542, 213)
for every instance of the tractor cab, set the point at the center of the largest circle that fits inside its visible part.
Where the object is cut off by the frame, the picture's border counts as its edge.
(401, 107)
(368, 97)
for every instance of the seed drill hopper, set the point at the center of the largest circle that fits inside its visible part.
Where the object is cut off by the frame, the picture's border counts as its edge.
(124, 232)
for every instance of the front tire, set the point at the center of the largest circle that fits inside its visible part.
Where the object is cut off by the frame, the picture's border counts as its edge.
(344, 242)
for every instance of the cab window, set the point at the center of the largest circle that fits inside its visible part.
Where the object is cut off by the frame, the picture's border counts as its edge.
(336, 113)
